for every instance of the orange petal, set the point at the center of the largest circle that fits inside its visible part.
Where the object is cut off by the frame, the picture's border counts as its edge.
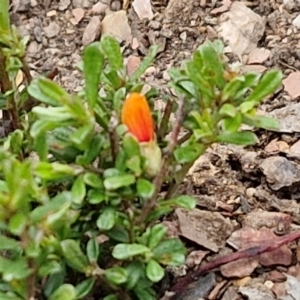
(136, 115)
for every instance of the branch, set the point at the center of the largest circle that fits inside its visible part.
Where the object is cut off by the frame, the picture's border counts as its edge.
(272, 245)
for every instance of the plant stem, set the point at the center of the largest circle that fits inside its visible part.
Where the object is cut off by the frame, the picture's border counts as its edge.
(165, 121)
(113, 137)
(185, 138)
(5, 87)
(26, 70)
(178, 180)
(159, 179)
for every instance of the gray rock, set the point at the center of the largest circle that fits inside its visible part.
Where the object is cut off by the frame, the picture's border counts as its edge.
(280, 172)
(52, 30)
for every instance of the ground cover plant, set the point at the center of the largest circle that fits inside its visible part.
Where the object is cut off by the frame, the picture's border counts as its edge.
(86, 178)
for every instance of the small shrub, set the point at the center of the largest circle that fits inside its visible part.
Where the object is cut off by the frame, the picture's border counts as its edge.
(81, 174)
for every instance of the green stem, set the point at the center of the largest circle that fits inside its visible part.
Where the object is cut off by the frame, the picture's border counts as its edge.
(179, 178)
(4, 16)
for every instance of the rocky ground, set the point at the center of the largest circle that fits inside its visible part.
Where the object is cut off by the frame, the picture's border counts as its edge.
(245, 196)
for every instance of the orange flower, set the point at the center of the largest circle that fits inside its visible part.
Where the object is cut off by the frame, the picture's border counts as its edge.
(136, 115)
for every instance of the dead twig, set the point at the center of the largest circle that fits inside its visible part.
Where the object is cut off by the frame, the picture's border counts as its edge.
(268, 246)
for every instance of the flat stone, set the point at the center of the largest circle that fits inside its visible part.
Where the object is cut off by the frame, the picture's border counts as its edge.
(296, 22)
(92, 31)
(52, 30)
(116, 25)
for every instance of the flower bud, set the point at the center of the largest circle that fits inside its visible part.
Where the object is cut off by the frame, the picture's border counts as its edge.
(136, 115)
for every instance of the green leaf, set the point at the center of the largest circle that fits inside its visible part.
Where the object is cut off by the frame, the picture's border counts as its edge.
(154, 271)
(8, 296)
(13, 64)
(112, 51)
(247, 106)
(107, 218)
(193, 69)
(134, 164)
(47, 91)
(49, 267)
(93, 180)
(96, 196)
(41, 146)
(145, 294)
(84, 288)
(93, 151)
(17, 223)
(41, 127)
(232, 87)
(131, 146)
(53, 114)
(54, 281)
(238, 138)
(92, 250)
(183, 201)
(125, 251)
(74, 256)
(159, 212)
(147, 61)
(112, 79)
(64, 292)
(93, 64)
(78, 190)
(157, 233)
(110, 297)
(81, 137)
(14, 270)
(135, 271)
(212, 63)
(111, 172)
(267, 85)
(170, 252)
(118, 233)
(33, 250)
(262, 122)
(118, 100)
(227, 110)
(145, 188)
(232, 124)
(115, 182)
(59, 203)
(189, 88)
(16, 141)
(50, 171)
(7, 243)
(188, 153)
(218, 46)
(116, 275)
(4, 16)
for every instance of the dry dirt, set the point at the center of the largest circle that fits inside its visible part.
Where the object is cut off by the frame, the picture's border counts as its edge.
(243, 195)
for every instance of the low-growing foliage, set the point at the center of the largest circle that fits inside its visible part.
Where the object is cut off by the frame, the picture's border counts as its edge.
(81, 174)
